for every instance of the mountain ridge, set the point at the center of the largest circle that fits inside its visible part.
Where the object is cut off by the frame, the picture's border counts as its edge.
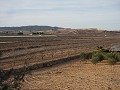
(30, 28)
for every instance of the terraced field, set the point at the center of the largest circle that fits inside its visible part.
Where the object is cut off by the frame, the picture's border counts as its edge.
(21, 51)
(28, 50)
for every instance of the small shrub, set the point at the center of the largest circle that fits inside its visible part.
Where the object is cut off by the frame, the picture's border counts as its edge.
(113, 58)
(117, 56)
(95, 60)
(112, 61)
(85, 56)
(9, 81)
(101, 57)
(101, 54)
(89, 55)
(98, 57)
(99, 49)
(110, 55)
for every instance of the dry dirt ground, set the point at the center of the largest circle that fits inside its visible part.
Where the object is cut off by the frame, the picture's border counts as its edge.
(32, 50)
(70, 76)
(75, 75)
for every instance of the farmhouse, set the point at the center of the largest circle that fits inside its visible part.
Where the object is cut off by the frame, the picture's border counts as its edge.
(20, 33)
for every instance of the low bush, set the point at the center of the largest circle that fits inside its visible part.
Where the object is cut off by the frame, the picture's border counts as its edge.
(112, 61)
(117, 56)
(110, 55)
(11, 81)
(101, 54)
(99, 49)
(85, 56)
(95, 60)
(98, 57)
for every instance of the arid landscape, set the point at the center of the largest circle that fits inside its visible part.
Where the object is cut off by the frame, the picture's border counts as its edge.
(18, 50)
(59, 44)
(75, 76)
(26, 51)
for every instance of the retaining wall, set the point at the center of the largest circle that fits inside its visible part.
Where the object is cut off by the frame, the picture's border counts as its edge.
(44, 64)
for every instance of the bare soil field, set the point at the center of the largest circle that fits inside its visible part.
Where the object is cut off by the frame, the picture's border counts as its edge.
(21, 51)
(75, 76)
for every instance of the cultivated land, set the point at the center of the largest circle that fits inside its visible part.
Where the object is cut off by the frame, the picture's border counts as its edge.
(75, 75)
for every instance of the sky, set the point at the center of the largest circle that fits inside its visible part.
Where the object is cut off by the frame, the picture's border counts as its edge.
(101, 14)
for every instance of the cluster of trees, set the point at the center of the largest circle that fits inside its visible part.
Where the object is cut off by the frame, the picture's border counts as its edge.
(100, 54)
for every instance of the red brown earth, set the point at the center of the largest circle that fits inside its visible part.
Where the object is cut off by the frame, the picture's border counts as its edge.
(37, 49)
(70, 76)
(75, 76)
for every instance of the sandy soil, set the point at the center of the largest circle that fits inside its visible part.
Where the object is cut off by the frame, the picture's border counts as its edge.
(75, 75)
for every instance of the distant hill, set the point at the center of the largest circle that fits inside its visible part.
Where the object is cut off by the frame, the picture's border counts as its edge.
(29, 28)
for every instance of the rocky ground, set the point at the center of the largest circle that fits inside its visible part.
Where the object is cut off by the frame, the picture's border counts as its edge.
(74, 75)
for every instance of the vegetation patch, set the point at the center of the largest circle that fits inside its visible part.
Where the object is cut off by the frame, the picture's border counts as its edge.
(97, 58)
(100, 54)
(85, 56)
(10, 80)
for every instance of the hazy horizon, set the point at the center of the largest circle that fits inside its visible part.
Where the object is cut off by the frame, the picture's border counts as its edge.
(101, 14)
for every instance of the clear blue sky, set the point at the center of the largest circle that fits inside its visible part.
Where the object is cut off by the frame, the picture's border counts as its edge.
(103, 14)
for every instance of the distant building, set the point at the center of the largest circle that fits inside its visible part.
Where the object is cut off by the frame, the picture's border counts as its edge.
(38, 33)
(20, 33)
(8, 32)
